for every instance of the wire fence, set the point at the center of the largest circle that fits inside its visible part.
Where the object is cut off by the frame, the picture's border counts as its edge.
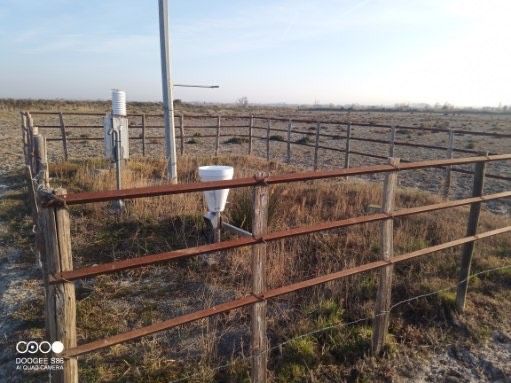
(279, 346)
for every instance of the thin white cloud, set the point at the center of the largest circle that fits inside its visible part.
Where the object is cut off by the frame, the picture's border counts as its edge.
(92, 44)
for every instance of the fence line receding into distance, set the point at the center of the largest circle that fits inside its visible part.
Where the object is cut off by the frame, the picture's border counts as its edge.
(212, 123)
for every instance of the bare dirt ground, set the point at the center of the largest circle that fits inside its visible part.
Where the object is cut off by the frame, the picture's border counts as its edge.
(20, 282)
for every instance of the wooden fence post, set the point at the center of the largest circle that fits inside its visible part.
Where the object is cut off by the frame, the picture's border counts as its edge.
(24, 136)
(268, 129)
(447, 182)
(41, 160)
(289, 126)
(37, 147)
(348, 147)
(143, 134)
(316, 147)
(468, 248)
(32, 196)
(258, 325)
(383, 298)
(182, 132)
(217, 142)
(63, 135)
(30, 132)
(250, 128)
(392, 142)
(60, 298)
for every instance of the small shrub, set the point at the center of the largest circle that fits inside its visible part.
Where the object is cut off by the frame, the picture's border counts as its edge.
(327, 313)
(236, 140)
(350, 343)
(304, 140)
(292, 373)
(448, 298)
(276, 137)
(302, 351)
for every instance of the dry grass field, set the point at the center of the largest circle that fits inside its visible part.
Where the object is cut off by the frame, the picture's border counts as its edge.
(428, 179)
(428, 340)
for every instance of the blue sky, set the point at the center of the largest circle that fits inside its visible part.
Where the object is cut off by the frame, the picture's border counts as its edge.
(293, 51)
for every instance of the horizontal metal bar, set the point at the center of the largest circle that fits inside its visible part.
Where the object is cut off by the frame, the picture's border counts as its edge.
(300, 144)
(273, 293)
(293, 131)
(377, 264)
(273, 236)
(111, 267)
(71, 126)
(76, 139)
(35, 112)
(487, 175)
(236, 230)
(152, 191)
(101, 138)
(363, 139)
(365, 154)
(304, 120)
(334, 136)
(411, 144)
(197, 86)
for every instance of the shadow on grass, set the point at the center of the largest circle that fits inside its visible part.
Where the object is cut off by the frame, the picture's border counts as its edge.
(128, 238)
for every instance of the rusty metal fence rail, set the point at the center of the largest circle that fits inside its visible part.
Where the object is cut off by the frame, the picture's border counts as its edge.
(53, 238)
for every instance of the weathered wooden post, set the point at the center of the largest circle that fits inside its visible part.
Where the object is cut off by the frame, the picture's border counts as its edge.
(143, 133)
(316, 147)
(31, 131)
(268, 129)
(24, 136)
(383, 297)
(289, 126)
(348, 146)
(258, 325)
(60, 298)
(32, 194)
(250, 129)
(392, 141)
(182, 132)
(448, 175)
(217, 141)
(468, 248)
(63, 135)
(41, 160)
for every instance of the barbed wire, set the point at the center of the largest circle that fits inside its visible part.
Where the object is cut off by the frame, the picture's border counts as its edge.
(341, 325)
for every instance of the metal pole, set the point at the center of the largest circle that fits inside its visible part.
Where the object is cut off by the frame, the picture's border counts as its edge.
(116, 136)
(168, 107)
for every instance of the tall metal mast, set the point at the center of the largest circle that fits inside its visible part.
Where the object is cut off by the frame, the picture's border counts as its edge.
(168, 101)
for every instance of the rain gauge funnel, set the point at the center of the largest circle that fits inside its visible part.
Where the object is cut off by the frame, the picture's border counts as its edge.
(216, 199)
